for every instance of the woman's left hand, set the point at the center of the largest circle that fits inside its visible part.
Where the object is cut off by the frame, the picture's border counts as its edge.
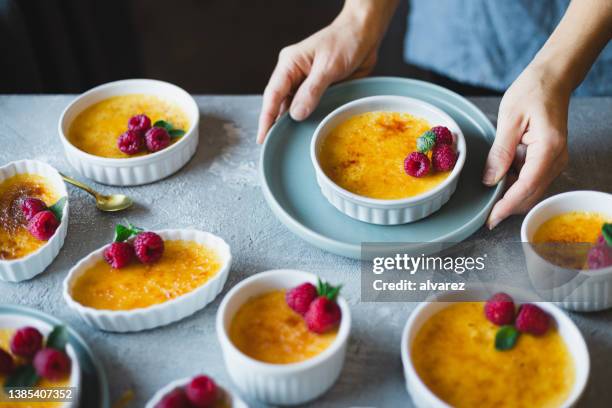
(531, 141)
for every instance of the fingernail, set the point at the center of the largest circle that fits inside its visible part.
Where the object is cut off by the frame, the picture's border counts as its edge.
(493, 223)
(299, 112)
(490, 176)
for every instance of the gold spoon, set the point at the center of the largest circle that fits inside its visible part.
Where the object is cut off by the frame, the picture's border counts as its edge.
(113, 202)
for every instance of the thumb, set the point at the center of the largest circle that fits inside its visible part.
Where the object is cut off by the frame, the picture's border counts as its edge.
(501, 155)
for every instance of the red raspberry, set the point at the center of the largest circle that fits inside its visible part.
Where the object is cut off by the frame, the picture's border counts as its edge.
(32, 206)
(322, 315)
(174, 399)
(130, 142)
(43, 225)
(52, 364)
(417, 164)
(157, 139)
(300, 297)
(26, 342)
(119, 254)
(202, 392)
(443, 158)
(149, 247)
(443, 135)
(499, 309)
(600, 255)
(139, 123)
(6, 363)
(532, 319)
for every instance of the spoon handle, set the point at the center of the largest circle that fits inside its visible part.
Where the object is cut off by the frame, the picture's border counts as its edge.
(78, 184)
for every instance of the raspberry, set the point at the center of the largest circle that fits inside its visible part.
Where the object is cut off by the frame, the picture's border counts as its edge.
(26, 342)
(32, 206)
(52, 364)
(174, 399)
(43, 225)
(600, 255)
(426, 141)
(532, 319)
(417, 164)
(149, 247)
(322, 315)
(6, 363)
(157, 138)
(499, 309)
(119, 254)
(443, 158)
(443, 135)
(139, 123)
(300, 297)
(202, 392)
(130, 142)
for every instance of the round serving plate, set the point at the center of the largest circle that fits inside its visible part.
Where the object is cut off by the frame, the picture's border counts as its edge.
(94, 385)
(290, 187)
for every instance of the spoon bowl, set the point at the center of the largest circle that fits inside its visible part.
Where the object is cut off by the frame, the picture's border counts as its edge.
(106, 203)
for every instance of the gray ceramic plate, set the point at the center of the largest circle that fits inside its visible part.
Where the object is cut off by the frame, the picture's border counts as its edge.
(291, 190)
(94, 392)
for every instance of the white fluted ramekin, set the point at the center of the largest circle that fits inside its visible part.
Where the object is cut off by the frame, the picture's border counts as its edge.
(159, 314)
(134, 170)
(13, 321)
(16, 270)
(233, 400)
(282, 384)
(378, 211)
(581, 291)
(422, 397)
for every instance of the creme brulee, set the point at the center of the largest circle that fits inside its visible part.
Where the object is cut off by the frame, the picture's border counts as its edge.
(365, 155)
(454, 355)
(571, 228)
(5, 339)
(97, 128)
(185, 266)
(15, 240)
(266, 329)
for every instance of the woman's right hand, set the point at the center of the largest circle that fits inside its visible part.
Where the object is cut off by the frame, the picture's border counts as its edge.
(347, 48)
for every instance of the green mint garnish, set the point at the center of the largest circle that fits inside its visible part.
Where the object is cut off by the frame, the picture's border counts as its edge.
(58, 338)
(606, 231)
(327, 290)
(426, 141)
(23, 376)
(506, 338)
(58, 208)
(172, 131)
(123, 233)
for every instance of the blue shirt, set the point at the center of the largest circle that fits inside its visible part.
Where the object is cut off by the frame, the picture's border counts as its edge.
(488, 43)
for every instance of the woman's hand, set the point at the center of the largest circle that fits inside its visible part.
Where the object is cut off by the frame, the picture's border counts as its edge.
(531, 142)
(347, 48)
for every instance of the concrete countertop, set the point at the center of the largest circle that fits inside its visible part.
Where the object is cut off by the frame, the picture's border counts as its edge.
(218, 191)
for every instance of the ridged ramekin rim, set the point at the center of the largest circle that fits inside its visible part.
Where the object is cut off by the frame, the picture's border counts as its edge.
(82, 310)
(236, 401)
(282, 369)
(129, 161)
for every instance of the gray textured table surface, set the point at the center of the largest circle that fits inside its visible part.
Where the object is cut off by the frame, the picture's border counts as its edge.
(218, 191)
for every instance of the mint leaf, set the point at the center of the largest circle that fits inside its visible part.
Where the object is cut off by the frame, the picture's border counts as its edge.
(327, 290)
(58, 208)
(506, 338)
(606, 231)
(123, 233)
(163, 124)
(58, 338)
(23, 376)
(176, 132)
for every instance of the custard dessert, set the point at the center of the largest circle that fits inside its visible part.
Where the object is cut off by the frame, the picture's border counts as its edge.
(454, 356)
(15, 239)
(97, 129)
(184, 266)
(266, 329)
(365, 155)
